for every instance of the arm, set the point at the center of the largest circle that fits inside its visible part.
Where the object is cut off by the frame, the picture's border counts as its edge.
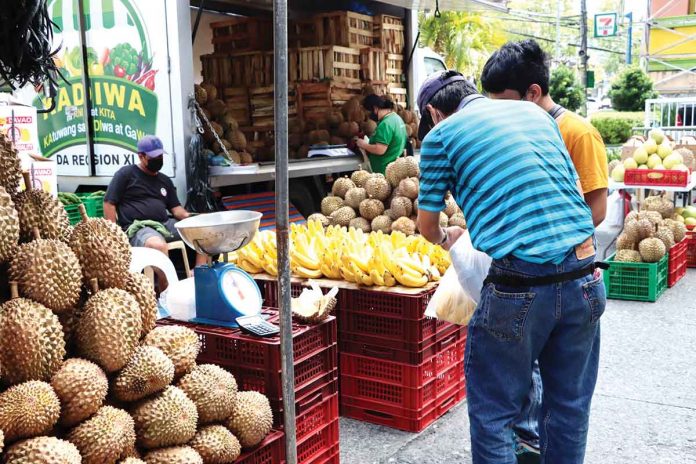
(374, 149)
(110, 211)
(179, 213)
(597, 201)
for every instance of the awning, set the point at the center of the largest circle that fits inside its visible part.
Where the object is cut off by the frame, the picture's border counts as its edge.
(450, 5)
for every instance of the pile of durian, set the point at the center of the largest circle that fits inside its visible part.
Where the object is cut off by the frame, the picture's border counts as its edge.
(85, 376)
(377, 202)
(649, 234)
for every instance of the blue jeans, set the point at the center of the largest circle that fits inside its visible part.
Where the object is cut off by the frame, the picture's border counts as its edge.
(511, 328)
(526, 425)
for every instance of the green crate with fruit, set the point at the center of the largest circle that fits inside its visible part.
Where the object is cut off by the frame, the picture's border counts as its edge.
(94, 203)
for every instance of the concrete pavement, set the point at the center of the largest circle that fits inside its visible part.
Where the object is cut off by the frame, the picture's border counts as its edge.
(644, 408)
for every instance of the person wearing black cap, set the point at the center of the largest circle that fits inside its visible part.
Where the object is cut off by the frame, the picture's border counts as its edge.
(389, 140)
(507, 168)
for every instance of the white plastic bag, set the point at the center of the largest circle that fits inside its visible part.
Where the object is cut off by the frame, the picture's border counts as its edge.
(615, 210)
(450, 302)
(471, 265)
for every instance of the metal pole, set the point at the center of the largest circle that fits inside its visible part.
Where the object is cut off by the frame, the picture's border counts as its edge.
(629, 39)
(558, 31)
(583, 52)
(87, 105)
(282, 188)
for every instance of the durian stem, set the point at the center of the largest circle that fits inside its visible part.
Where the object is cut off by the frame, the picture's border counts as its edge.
(94, 283)
(14, 290)
(27, 180)
(36, 232)
(83, 212)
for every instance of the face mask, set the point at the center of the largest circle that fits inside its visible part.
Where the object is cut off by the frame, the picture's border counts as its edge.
(374, 117)
(155, 164)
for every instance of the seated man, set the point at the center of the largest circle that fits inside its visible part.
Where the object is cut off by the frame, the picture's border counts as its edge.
(140, 198)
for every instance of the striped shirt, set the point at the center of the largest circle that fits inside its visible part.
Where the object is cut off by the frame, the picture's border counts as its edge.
(507, 167)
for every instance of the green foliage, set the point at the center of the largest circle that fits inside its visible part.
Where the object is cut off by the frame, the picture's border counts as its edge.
(465, 40)
(630, 90)
(565, 88)
(616, 128)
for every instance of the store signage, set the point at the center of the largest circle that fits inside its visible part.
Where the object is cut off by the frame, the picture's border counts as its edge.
(605, 25)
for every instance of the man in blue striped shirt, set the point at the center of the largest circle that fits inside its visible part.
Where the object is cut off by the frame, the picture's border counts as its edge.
(506, 165)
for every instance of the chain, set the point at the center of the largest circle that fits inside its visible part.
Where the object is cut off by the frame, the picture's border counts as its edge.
(210, 126)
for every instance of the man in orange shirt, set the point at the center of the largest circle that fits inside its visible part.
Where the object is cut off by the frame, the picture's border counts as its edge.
(520, 71)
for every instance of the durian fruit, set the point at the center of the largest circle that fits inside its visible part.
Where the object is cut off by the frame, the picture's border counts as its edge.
(81, 387)
(216, 445)
(401, 207)
(174, 455)
(444, 220)
(103, 250)
(28, 410)
(109, 329)
(360, 177)
(210, 90)
(451, 207)
(330, 204)
(180, 344)
(652, 249)
(10, 167)
(141, 288)
(148, 371)
(659, 204)
(457, 220)
(411, 165)
(396, 172)
(369, 127)
(624, 242)
(212, 389)
(653, 216)
(628, 256)
(238, 140)
(355, 196)
(371, 208)
(200, 94)
(132, 460)
(645, 229)
(678, 229)
(342, 216)
(167, 419)
(665, 234)
(341, 186)
(32, 346)
(37, 208)
(631, 230)
(9, 225)
(404, 225)
(408, 188)
(378, 188)
(318, 217)
(687, 157)
(631, 216)
(382, 223)
(105, 438)
(252, 418)
(360, 223)
(43, 450)
(49, 273)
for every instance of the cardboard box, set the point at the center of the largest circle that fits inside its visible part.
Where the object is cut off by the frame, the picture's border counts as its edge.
(630, 146)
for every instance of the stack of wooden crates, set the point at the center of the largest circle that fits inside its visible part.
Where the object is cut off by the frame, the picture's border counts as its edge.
(332, 57)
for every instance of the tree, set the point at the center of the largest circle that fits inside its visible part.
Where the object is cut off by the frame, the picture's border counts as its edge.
(630, 90)
(466, 40)
(565, 88)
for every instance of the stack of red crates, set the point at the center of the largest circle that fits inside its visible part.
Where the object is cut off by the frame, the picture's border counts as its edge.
(255, 363)
(398, 368)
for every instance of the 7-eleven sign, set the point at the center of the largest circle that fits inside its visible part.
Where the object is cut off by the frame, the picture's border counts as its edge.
(605, 25)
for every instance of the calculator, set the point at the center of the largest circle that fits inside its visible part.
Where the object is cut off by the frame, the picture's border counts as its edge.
(257, 325)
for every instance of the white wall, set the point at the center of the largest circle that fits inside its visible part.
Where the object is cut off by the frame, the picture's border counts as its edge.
(203, 44)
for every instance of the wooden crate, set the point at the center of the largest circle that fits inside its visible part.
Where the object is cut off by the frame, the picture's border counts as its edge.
(302, 33)
(242, 34)
(315, 99)
(395, 68)
(211, 69)
(373, 64)
(263, 103)
(329, 62)
(237, 100)
(376, 87)
(344, 28)
(398, 94)
(389, 33)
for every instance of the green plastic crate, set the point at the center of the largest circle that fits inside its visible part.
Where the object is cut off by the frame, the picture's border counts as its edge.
(636, 281)
(93, 205)
(73, 213)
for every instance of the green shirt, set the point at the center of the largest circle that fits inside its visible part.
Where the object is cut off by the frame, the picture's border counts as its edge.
(391, 131)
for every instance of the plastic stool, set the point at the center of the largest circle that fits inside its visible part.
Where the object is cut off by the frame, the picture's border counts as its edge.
(179, 245)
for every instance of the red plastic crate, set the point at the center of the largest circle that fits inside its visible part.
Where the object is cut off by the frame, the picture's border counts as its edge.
(270, 451)
(414, 398)
(318, 444)
(677, 262)
(400, 418)
(332, 456)
(390, 332)
(270, 291)
(312, 409)
(404, 375)
(661, 178)
(690, 249)
(232, 347)
(388, 304)
(401, 356)
(309, 373)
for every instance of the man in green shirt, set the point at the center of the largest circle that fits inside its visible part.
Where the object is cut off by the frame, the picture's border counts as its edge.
(389, 140)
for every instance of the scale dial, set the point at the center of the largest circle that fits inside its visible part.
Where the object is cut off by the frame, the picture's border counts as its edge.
(240, 291)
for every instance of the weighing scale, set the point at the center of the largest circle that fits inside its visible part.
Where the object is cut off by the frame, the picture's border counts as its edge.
(223, 291)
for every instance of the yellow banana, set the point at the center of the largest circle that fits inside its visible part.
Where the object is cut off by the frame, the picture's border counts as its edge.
(249, 267)
(389, 279)
(306, 273)
(409, 281)
(377, 278)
